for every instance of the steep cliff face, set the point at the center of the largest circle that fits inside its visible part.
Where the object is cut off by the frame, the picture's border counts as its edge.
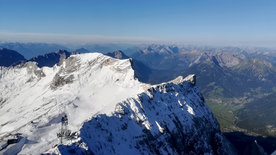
(109, 111)
(170, 118)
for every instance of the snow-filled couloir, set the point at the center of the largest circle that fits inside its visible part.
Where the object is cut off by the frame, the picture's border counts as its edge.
(110, 111)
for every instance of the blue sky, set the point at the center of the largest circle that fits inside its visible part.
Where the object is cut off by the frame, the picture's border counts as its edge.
(216, 21)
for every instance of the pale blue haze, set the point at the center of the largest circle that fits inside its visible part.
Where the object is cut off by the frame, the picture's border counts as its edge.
(178, 20)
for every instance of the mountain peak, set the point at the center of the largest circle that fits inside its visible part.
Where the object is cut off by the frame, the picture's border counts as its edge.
(61, 51)
(159, 49)
(104, 104)
(10, 57)
(180, 79)
(50, 59)
(118, 54)
(81, 50)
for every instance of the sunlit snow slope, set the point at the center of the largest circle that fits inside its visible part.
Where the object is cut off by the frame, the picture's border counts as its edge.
(112, 112)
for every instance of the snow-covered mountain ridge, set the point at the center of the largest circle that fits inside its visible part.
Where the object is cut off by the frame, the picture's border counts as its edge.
(112, 112)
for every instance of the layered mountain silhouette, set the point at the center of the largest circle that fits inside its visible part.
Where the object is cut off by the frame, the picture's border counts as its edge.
(118, 54)
(81, 50)
(229, 78)
(10, 57)
(29, 50)
(50, 59)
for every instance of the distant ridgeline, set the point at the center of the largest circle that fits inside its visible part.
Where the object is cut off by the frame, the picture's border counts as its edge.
(232, 80)
(12, 58)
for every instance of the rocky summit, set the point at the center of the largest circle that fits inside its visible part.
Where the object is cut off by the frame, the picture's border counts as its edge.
(93, 104)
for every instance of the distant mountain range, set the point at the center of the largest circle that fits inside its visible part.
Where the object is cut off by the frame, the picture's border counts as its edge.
(50, 59)
(238, 84)
(228, 77)
(233, 80)
(29, 50)
(81, 50)
(11, 58)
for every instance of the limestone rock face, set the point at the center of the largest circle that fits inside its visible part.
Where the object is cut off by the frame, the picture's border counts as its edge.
(108, 110)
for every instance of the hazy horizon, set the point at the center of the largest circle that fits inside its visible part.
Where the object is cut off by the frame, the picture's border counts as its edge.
(211, 22)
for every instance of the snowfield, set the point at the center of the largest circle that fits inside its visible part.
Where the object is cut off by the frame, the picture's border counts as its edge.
(112, 112)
